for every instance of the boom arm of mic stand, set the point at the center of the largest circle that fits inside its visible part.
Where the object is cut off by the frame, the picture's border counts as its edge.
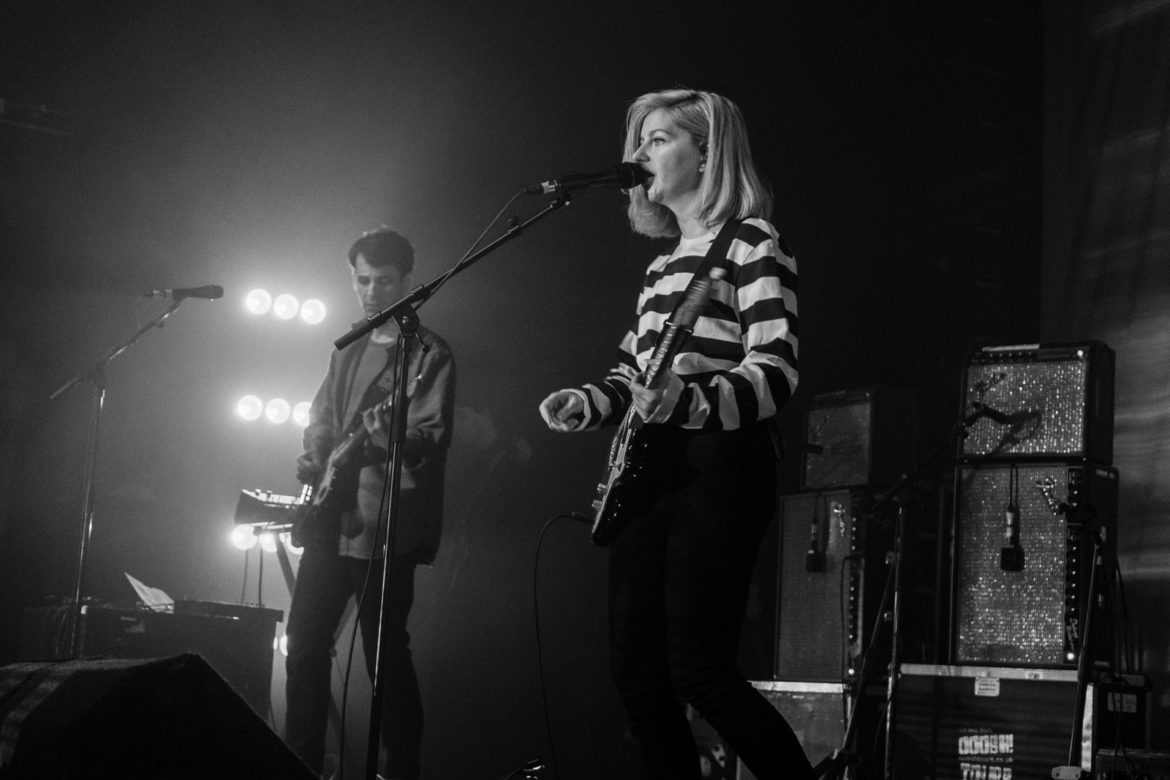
(419, 295)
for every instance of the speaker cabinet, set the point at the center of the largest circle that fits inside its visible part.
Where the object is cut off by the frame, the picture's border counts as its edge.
(956, 723)
(1033, 616)
(857, 437)
(162, 718)
(1040, 402)
(817, 713)
(831, 579)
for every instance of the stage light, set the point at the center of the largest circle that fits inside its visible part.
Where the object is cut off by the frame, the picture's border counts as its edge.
(268, 541)
(312, 311)
(300, 414)
(250, 407)
(285, 306)
(258, 301)
(243, 537)
(277, 411)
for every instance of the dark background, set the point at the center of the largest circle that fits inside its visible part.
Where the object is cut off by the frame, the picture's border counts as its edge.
(174, 144)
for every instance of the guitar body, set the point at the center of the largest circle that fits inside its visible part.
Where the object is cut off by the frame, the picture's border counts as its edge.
(625, 493)
(335, 491)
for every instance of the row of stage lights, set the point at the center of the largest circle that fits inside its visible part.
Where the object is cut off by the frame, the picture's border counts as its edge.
(277, 411)
(284, 306)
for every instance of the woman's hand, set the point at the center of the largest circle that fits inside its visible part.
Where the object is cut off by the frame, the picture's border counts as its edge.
(563, 410)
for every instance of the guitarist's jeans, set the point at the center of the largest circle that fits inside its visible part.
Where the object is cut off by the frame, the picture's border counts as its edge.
(678, 584)
(325, 583)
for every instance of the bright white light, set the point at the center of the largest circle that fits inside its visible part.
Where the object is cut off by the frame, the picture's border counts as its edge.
(268, 541)
(250, 407)
(281, 644)
(258, 301)
(243, 537)
(285, 306)
(300, 414)
(277, 411)
(312, 311)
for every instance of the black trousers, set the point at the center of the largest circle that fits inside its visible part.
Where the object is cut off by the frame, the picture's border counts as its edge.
(325, 583)
(678, 584)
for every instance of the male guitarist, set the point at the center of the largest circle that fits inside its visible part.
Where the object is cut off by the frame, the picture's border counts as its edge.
(339, 534)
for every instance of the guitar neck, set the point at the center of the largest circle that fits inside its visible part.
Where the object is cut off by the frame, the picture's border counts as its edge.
(665, 352)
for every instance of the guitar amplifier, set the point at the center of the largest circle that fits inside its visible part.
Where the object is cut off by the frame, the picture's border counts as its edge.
(1033, 615)
(832, 572)
(1034, 401)
(857, 437)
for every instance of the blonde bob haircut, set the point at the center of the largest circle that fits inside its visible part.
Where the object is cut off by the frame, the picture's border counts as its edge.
(730, 187)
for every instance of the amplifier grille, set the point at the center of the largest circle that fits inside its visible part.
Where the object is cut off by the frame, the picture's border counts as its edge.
(1043, 402)
(1032, 616)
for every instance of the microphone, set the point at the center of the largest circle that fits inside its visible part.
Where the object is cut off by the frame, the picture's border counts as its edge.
(208, 291)
(622, 176)
(1011, 556)
(814, 559)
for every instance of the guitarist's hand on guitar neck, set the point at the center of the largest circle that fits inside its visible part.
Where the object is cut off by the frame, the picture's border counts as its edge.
(376, 421)
(654, 404)
(309, 469)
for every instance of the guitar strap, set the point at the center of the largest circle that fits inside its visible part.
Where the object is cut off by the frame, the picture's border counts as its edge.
(716, 255)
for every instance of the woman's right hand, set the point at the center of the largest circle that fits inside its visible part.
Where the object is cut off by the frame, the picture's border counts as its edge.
(563, 411)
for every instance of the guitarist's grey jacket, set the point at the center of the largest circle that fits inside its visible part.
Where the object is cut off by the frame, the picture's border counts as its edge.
(431, 392)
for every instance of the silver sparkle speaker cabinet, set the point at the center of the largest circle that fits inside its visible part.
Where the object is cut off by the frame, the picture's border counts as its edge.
(1041, 402)
(1031, 615)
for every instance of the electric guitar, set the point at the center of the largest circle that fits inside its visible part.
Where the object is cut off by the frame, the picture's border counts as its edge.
(621, 496)
(336, 489)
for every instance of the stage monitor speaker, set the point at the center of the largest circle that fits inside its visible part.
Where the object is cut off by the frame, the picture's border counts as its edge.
(857, 437)
(1032, 616)
(236, 639)
(1053, 401)
(956, 723)
(169, 718)
(832, 573)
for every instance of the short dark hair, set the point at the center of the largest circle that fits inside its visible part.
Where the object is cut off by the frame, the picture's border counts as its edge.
(383, 247)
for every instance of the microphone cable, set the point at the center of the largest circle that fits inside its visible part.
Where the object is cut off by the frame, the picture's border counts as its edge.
(578, 517)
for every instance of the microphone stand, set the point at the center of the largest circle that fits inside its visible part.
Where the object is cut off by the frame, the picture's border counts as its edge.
(403, 311)
(96, 375)
(1086, 527)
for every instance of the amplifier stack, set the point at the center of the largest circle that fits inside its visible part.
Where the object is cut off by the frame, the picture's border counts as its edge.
(1028, 673)
(1005, 658)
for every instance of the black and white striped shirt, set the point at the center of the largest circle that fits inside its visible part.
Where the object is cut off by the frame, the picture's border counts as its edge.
(739, 365)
